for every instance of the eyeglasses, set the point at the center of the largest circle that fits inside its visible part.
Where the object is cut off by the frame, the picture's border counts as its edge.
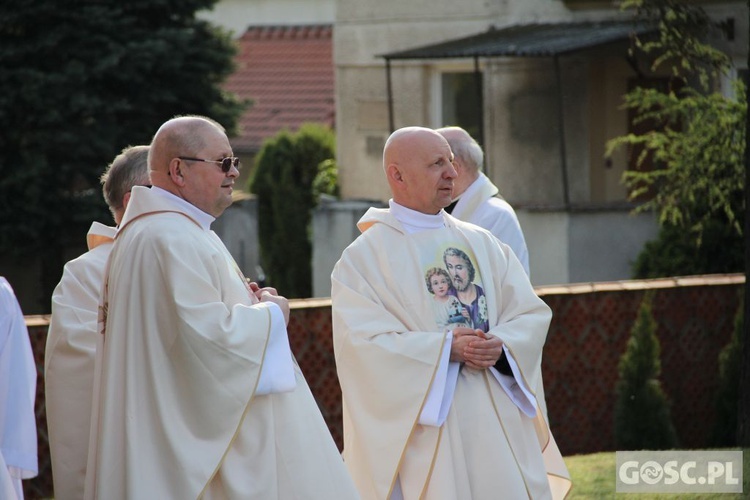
(226, 163)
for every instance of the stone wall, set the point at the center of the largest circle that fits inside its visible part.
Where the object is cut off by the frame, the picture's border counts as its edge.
(589, 331)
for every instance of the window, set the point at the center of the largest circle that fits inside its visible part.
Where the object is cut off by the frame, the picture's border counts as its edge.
(461, 102)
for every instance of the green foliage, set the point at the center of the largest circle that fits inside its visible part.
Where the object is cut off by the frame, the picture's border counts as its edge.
(675, 252)
(698, 147)
(80, 81)
(327, 179)
(728, 392)
(682, 29)
(696, 142)
(291, 170)
(642, 415)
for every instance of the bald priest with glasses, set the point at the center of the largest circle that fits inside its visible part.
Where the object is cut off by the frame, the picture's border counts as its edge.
(197, 393)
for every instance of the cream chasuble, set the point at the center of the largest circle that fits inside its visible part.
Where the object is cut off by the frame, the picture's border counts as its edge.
(177, 411)
(69, 362)
(388, 345)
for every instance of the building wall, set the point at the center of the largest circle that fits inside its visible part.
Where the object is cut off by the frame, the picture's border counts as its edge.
(522, 120)
(238, 229)
(522, 126)
(334, 227)
(237, 15)
(521, 139)
(548, 262)
(584, 246)
(365, 31)
(604, 244)
(590, 327)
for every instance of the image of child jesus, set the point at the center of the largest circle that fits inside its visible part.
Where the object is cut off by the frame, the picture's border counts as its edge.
(449, 313)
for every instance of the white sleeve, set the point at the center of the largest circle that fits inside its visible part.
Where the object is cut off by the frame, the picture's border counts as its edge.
(515, 387)
(18, 371)
(440, 397)
(277, 374)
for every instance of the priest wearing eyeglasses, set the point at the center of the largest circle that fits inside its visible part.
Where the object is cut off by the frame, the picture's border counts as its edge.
(198, 393)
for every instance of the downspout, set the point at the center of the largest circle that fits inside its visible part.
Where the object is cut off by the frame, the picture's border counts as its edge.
(561, 124)
(480, 103)
(390, 94)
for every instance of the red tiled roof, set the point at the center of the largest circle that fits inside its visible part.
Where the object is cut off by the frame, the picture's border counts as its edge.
(287, 71)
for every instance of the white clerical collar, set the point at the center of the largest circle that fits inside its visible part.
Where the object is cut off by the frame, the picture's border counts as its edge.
(473, 188)
(201, 217)
(414, 221)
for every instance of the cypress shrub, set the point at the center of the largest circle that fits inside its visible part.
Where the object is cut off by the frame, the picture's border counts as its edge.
(642, 415)
(285, 169)
(728, 392)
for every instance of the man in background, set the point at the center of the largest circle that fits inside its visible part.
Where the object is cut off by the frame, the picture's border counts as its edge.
(71, 341)
(18, 453)
(476, 199)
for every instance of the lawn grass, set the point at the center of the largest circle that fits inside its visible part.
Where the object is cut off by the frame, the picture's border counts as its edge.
(594, 478)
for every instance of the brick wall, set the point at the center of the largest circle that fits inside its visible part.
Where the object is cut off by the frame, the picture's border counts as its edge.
(590, 328)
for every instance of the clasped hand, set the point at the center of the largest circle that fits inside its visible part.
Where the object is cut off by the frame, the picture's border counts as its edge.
(269, 294)
(475, 348)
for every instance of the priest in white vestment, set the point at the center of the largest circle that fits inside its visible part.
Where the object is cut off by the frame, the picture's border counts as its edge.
(430, 414)
(18, 451)
(71, 339)
(476, 199)
(197, 394)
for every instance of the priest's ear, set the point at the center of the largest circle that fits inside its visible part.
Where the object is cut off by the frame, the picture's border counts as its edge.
(176, 167)
(393, 174)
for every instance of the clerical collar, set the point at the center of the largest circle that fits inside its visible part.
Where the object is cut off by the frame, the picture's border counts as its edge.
(195, 213)
(414, 221)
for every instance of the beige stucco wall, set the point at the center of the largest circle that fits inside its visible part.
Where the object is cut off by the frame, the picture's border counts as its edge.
(522, 130)
(546, 236)
(361, 85)
(523, 140)
(521, 123)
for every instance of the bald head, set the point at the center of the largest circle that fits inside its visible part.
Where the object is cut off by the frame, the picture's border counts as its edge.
(185, 159)
(400, 143)
(469, 156)
(417, 164)
(181, 136)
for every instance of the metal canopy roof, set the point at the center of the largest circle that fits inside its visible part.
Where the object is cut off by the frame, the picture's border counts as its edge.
(530, 40)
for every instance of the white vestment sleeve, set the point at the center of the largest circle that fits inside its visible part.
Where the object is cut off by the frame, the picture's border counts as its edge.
(440, 397)
(18, 437)
(277, 374)
(515, 387)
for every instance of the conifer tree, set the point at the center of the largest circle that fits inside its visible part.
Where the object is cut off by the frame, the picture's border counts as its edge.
(284, 181)
(79, 81)
(642, 415)
(728, 391)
